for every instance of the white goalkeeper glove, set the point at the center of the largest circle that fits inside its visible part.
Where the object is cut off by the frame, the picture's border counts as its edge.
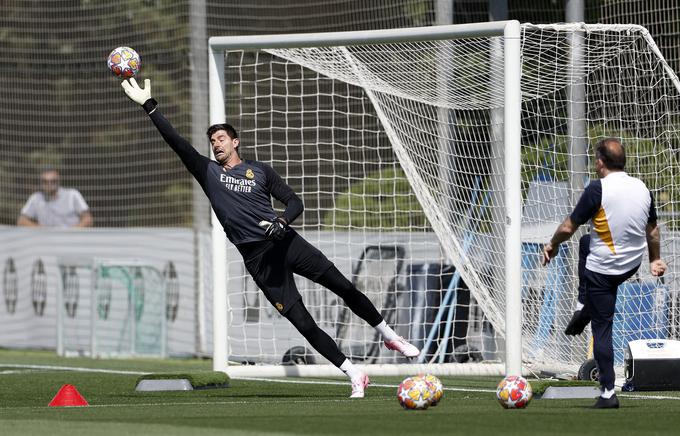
(134, 92)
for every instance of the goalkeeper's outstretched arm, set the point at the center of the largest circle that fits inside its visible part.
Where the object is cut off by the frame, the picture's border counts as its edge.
(195, 162)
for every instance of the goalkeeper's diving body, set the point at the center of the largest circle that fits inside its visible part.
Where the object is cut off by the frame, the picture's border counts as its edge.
(240, 193)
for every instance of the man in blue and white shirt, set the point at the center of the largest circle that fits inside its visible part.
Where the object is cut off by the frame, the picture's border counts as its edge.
(623, 217)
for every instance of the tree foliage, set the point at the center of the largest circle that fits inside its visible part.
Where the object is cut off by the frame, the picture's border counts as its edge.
(383, 200)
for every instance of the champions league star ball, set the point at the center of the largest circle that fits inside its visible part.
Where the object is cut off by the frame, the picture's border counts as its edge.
(514, 392)
(124, 62)
(414, 393)
(437, 386)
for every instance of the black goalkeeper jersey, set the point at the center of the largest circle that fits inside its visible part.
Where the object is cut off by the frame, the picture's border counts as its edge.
(240, 196)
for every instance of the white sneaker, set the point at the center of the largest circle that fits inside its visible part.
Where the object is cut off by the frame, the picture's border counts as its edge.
(359, 385)
(403, 346)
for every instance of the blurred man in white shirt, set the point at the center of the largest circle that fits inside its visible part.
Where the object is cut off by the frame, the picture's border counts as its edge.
(54, 206)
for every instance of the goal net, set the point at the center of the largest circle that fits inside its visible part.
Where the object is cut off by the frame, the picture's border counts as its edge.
(399, 149)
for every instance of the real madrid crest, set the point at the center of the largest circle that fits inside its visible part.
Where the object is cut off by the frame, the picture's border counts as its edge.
(250, 174)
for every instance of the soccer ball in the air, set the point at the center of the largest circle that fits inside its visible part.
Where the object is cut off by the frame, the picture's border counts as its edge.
(438, 388)
(414, 393)
(124, 62)
(514, 392)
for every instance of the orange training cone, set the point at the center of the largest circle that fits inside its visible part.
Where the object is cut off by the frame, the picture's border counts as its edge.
(68, 396)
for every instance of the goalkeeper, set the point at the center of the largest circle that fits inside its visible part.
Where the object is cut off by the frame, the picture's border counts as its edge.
(240, 193)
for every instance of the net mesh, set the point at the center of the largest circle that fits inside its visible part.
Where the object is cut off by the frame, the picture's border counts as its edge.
(439, 126)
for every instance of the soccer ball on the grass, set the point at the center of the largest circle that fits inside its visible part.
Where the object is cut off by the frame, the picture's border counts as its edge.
(415, 393)
(124, 62)
(514, 392)
(438, 392)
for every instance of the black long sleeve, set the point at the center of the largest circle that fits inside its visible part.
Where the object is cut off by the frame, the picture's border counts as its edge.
(240, 196)
(294, 208)
(285, 194)
(196, 163)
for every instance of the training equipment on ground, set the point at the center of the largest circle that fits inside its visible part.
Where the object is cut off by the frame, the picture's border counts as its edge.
(457, 147)
(124, 62)
(514, 392)
(183, 381)
(68, 396)
(415, 393)
(652, 365)
(569, 392)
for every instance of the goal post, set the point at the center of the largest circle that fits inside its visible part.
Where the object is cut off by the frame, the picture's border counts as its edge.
(512, 111)
(434, 163)
(510, 31)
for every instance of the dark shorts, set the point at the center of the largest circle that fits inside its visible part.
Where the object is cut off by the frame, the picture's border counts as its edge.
(273, 263)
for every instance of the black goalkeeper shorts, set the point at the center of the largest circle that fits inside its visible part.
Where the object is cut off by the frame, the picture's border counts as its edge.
(273, 263)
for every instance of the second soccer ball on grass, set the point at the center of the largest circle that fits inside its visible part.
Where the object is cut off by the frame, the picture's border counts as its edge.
(514, 392)
(414, 393)
(420, 392)
(438, 388)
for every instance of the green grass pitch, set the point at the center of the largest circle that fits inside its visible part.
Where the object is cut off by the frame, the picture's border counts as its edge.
(291, 407)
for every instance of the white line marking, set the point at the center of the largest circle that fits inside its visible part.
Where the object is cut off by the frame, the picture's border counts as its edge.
(70, 368)
(274, 380)
(316, 382)
(202, 403)
(648, 397)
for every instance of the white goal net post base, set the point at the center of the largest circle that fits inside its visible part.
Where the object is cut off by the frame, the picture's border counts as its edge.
(387, 370)
(490, 124)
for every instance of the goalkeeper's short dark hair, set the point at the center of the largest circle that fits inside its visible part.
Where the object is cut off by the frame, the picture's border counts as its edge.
(223, 126)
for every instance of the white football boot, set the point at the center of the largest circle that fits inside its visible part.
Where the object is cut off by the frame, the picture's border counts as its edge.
(359, 386)
(403, 346)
